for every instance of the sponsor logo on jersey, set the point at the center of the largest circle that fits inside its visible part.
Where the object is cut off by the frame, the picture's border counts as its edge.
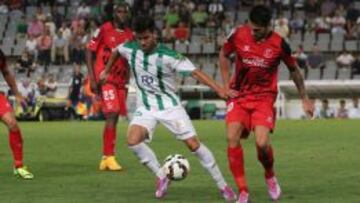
(147, 80)
(259, 62)
(268, 53)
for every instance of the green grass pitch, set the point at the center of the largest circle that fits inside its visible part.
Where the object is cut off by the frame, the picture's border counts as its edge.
(316, 161)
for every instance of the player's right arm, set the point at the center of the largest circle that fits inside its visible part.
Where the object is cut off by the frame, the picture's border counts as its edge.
(9, 78)
(224, 62)
(89, 54)
(296, 76)
(105, 73)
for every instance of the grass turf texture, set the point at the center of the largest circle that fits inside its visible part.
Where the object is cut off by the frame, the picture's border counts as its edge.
(316, 161)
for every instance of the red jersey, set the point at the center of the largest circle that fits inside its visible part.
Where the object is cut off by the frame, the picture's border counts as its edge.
(103, 43)
(257, 62)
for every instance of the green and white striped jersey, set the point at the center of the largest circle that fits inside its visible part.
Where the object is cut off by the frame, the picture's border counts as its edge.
(155, 74)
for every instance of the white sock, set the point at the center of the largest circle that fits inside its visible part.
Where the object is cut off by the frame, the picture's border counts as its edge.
(148, 158)
(207, 160)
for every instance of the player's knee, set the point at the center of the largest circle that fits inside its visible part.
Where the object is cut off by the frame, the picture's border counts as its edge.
(192, 143)
(135, 136)
(12, 125)
(262, 143)
(233, 139)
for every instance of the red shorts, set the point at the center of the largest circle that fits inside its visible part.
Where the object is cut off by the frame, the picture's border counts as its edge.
(5, 106)
(113, 99)
(252, 111)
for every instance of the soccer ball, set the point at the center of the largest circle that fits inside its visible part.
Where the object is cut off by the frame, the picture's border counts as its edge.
(176, 167)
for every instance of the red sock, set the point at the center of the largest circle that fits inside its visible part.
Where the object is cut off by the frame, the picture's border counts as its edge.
(16, 145)
(266, 157)
(236, 163)
(109, 139)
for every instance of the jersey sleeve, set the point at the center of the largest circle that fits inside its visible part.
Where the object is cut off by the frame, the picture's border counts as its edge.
(93, 44)
(229, 46)
(286, 56)
(123, 50)
(182, 64)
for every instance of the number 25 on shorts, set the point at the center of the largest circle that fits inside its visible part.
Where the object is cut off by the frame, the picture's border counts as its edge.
(109, 95)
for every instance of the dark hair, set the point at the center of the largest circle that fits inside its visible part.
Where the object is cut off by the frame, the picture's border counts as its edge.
(144, 23)
(260, 15)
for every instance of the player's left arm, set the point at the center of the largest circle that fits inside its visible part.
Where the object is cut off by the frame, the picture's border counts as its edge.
(205, 79)
(184, 65)
(296, 77)
(104, 75)
(9, 78)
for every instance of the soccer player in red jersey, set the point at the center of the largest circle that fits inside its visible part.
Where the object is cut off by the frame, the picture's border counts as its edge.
(8, 117)
(253, 90)
(113, 93)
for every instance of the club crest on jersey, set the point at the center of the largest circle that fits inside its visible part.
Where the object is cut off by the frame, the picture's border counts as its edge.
(246, 48)
(268, 53)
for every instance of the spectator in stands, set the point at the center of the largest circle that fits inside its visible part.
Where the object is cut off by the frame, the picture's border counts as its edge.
(338, 23)
(216, 8)
(51, 86)
(355, 66)
(29, 92)
(41, 86)
(282, 28)
(302, 59)
(344, 60)
(342, 111)
(3, 8)
(159, 10)
(44, 44)
(328, 7)
(172, 17)
(65, 31)
(231, 5)
(182, 33)
(57, 17)
(297, 24)
(312, 9)
(322, 24)
(25, 64)
(40, 15)
(78, 43)
(185, 14)
(354, 111)
(31, 47)
(35, 28)
(167, 34)
(200, 16)
(83, 10)
(326, 111)
(76, 84)
(49, 24)
(22, 27)
(58, 49)
(316, 60)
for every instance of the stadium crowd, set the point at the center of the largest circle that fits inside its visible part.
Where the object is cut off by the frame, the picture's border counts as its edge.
(56, 32)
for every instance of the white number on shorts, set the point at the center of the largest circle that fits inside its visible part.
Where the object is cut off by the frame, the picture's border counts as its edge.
(109, 95)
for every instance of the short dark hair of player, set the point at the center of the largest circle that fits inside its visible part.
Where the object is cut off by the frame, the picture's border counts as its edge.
(260, 15)
(144, 23)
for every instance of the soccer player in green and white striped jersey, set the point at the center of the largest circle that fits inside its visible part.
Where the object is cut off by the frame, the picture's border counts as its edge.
(154, 67)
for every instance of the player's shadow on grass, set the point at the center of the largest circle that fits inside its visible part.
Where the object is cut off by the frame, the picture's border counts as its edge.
(61, 169)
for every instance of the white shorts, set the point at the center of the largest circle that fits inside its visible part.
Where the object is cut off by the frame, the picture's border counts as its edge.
(175, 119)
